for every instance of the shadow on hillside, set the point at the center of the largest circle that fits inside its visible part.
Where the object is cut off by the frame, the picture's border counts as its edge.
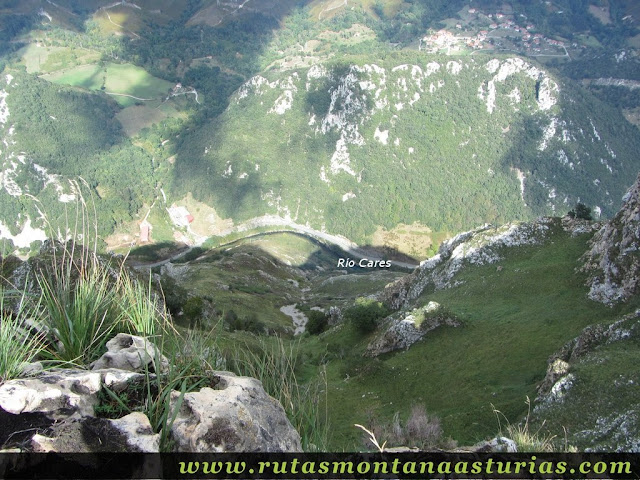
(254, 280)
(324, 257)
(11, 27)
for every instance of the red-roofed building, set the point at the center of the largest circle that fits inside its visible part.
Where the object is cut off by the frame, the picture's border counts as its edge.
(145, 230)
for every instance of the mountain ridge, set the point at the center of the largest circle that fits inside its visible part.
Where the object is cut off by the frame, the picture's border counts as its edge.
(355, 118)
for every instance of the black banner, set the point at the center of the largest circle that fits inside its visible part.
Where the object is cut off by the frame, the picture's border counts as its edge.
(319, 465)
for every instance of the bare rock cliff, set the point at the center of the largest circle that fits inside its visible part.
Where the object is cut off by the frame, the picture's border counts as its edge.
(614, 258)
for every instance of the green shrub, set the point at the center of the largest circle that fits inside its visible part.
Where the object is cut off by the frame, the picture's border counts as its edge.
(250, 323)
(581, 211)
(193, 309)
(174, 295)
(318, 322)
(365, 314)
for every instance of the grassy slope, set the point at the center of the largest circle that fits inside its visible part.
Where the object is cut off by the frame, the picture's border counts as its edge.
(601, 408)
(266, 272)
(596, 398)
(514, 319)
(125, 79)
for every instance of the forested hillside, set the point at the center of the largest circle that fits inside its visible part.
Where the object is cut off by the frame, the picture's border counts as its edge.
(62, 144)
(409, 137)
(343, 118)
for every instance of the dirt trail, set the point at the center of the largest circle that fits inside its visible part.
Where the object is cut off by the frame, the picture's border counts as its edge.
(130, 96)
(345, 5)
(124, 4)
(299, 319)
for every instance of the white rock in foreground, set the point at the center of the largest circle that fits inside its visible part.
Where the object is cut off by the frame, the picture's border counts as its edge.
(235, 416)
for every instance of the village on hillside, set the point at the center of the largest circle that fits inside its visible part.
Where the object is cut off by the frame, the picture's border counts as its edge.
(506, 31)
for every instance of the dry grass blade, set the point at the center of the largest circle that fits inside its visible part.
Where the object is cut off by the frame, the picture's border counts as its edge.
(372, 438)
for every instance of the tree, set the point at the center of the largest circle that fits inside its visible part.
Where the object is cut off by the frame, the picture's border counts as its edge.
(581, 211)
(365, 314)
(317, 322)
(193, 309)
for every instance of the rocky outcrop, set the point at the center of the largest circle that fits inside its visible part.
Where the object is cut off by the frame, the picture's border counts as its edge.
(55, 410)
(578, 226)
(613, 261)
(402, 333)
(495, 445)
(234, 416)
(133, 354)
(558, 378)
(593, 381)
(480, 246)
(57, 393)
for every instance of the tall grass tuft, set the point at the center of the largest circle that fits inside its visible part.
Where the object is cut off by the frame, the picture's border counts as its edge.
(139, 309)
(188, 370)
(274, 364)
(79, 306)
(87, 299)
(525, 439)
(17, 343)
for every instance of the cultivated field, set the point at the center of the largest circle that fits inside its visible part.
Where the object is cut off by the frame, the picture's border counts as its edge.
(137, 117)
(127, 83)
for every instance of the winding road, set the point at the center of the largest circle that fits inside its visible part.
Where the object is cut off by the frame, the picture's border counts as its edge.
(288, 226)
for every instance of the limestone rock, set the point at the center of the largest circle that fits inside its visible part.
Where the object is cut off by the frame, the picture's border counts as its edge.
(478, 247)
(120, 380)
(578, 226)
(498, 444)
(558, 379)
(401, 334)
(54, 411)
(614, 258)
(557, 369)
(138, 433)
(235, 416)
(31, 369)
(57, 393)
(335, 316)
(132, 353)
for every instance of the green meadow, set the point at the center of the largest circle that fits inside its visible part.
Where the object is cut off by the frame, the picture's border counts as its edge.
(535, 304)
(127, 83)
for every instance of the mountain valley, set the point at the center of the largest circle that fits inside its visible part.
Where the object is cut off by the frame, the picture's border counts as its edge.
(419, 201)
